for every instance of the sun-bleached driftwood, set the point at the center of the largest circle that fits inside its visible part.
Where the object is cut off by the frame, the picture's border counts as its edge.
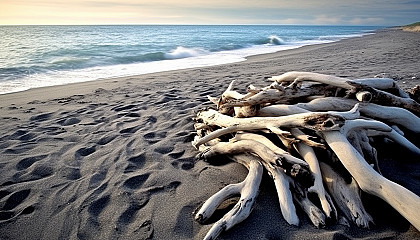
(299, 116)
(309, 156)
(401, 199)
(270, 95)
(281, 181)
(296, 168)
(405, 118)
(313, 121)
(378, 96)
(247, 189)
(346, 196)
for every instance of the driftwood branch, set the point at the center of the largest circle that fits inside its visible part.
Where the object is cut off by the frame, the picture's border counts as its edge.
(285, 126)
(247, 189)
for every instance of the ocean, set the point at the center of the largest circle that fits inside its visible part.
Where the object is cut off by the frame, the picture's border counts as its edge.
(38, 56)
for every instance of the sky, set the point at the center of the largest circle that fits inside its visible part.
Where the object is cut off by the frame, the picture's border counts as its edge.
(316, 12)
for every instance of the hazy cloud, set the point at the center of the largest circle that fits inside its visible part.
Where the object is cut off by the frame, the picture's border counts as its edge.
(359, 12)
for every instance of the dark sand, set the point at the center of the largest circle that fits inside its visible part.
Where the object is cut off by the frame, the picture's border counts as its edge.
(112, 159)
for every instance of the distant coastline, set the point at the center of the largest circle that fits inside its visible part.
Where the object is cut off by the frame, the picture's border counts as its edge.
(415, 27)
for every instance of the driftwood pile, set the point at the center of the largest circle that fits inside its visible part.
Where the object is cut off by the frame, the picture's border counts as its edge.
(300, 128)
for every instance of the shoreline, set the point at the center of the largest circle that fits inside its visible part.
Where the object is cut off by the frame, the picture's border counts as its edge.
(113, 158)
(197, 60)
(248, 59)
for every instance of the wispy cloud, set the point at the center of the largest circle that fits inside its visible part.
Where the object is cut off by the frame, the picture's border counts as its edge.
(360, 12)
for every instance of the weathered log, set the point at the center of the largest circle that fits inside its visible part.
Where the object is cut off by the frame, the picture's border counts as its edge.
(309, 156)
(283, 183)
(405, 118)
(314, 213)
(360, 141)
(297, 169)
(313, 121)
(287, 95)
(378, 96)
(379, 83)
(386, 84)
(404, 201)
(285, 196)
(247, 189)
(376, 128)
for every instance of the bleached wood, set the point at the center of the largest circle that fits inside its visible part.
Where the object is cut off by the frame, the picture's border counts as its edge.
(295, 77)
(309, 156)
(347, 133)
(296, 168)
(404, 201)
(286, 95)
(316, 216)
(283, 184)
(248, 190)
(378, 96)
(314, 121)
(378, 128)
(383, 84)
(346, 196)
(405, 118)
(364, 96)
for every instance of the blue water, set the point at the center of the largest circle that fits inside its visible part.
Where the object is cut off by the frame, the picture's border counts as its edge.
(37, 56)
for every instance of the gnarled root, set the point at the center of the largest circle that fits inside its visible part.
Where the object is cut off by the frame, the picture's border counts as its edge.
(248, 190)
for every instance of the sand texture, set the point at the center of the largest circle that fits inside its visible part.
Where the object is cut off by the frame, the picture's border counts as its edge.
(112, 159)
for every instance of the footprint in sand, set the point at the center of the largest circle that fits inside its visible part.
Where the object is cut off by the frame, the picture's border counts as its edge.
(136, 181)
(128, 216)
(184, 163)
(130, 129)
(70, 173)
(97, 179)
(69, 121)
(164, 149)
(97, 206)
(41, 117)
(133, 115)
(107, 139)
(83, 152)
(176, 154)
(149, 135)
(123, 107)
(27, 162)
(15, 199)
(135, 163)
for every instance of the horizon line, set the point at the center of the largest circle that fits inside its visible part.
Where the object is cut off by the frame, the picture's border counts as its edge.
(194, 24)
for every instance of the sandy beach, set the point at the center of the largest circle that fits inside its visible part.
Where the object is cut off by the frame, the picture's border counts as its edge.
(112, 159)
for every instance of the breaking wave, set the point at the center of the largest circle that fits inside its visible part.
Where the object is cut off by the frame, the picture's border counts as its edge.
(182, 52)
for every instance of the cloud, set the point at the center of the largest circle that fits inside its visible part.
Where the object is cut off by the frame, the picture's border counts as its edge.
(360, 12)
(324, 19)
(367, 20)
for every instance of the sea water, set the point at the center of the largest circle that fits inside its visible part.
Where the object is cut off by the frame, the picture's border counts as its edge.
(38, 56)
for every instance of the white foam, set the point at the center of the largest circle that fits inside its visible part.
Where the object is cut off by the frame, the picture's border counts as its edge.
(182, 52)
(275, 40)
